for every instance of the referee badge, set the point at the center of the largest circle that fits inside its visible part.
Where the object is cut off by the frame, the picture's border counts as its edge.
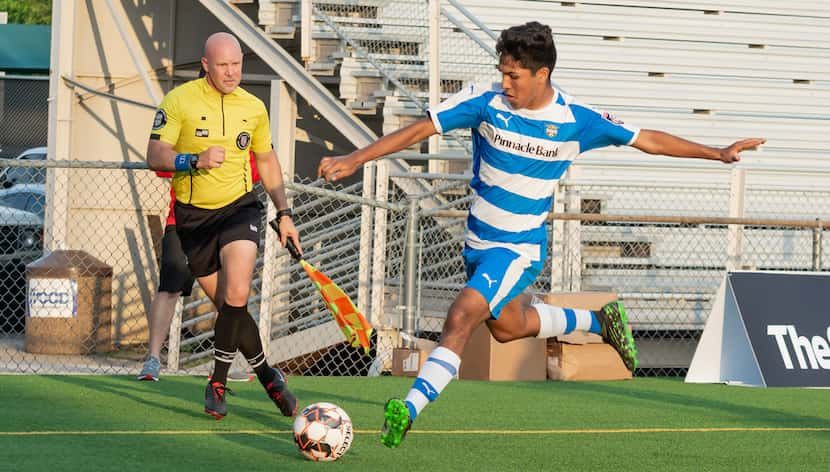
(243, 140)
(551, 130)
(160, 119)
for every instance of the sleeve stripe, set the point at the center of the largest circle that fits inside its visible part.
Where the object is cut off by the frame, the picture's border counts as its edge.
(634, 136)
(435, 122)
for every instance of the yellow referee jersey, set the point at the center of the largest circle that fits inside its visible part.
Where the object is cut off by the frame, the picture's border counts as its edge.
(193, 117)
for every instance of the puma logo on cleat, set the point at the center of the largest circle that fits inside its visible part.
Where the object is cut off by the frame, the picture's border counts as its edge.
(505, 119)
(253, 228)
(490, 281)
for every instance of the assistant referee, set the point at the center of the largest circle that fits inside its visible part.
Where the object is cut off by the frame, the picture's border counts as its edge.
(203, 132)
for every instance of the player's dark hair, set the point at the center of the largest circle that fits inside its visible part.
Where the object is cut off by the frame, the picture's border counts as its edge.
(531, 44)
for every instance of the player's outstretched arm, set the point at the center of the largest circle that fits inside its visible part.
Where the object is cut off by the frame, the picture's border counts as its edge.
(335, 168)
(659, 142)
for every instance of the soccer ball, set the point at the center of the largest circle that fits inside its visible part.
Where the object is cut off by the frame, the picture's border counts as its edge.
(323, 432)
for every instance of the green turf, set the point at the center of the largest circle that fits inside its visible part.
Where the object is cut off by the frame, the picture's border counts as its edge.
(160, 426)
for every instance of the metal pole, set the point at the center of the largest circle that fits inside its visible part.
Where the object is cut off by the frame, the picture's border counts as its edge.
(305, 31)
(735, 233)
(378, 278)
(364, 284)
(283, 108)
(435, 73)
(59, 140)
(411, 260)
(817, 246)
(174, 337)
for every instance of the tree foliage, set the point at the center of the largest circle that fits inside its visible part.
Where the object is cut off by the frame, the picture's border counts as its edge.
(32, 12)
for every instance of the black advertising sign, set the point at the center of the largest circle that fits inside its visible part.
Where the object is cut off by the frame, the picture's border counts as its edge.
(767, 329)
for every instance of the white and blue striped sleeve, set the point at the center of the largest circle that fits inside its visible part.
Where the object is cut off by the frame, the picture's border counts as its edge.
(600, 129)
(465, 109)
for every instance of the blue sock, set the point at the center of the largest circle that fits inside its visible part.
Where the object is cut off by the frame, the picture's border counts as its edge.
(595, 327)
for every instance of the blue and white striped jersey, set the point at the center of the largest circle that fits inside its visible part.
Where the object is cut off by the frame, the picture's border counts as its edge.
(518, 156)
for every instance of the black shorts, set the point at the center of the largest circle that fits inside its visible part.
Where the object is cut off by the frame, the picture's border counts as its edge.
(205, 232)
(174, 275)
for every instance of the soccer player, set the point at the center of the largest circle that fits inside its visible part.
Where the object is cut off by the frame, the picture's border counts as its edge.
(203, 132)
(525, 135)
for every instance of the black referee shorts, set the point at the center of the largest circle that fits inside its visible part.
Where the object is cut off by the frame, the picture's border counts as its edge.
(174, 275)
(205, 232)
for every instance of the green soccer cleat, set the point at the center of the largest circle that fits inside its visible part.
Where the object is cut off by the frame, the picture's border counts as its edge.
(615, 331)
(396, 423)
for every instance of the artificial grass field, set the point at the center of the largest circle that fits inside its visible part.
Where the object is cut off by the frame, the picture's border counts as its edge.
(115, 423)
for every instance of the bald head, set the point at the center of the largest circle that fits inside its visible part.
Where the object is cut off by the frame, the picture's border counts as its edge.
(222, 62)
(220, 41)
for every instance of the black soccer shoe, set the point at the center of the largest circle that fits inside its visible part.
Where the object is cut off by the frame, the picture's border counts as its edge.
(279, 393)
(215, 400)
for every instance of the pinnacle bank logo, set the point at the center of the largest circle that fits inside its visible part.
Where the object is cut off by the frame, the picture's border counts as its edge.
(810, 353)
(526, 148)
(535, 149)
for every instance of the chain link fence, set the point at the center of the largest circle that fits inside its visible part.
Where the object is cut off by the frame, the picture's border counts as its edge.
(662, 247)
(80, 265)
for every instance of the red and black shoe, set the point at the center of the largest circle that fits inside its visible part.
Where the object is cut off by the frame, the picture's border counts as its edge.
(215, 400)
(279, 393)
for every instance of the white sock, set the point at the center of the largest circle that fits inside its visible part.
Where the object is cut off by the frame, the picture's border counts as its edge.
(585, 319)
(554, 320)
(551, 320)
(441, 366)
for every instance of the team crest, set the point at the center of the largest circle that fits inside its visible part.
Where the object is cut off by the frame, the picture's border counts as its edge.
(243, 140)
(160, 119)
(551, 130)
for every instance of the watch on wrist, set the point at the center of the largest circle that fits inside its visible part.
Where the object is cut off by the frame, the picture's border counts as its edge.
(285, 212)
(194, 161)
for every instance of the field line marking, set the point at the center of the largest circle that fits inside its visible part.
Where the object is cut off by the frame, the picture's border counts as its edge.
(431, 432)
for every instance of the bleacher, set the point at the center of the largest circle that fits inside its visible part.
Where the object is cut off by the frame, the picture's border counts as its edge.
(695, 66)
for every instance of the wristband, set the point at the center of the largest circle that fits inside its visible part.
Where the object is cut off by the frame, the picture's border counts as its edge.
(182, 162)
(281, 213)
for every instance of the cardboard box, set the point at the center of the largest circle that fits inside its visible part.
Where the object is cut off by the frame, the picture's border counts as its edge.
(487, 359)
(581, 355)
(407, 362)
(591, 361)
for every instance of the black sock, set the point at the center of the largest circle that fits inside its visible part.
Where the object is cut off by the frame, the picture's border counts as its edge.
(225, 340)
(251, 347)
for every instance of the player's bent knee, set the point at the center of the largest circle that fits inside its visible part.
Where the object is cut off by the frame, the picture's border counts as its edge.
(460, 323)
